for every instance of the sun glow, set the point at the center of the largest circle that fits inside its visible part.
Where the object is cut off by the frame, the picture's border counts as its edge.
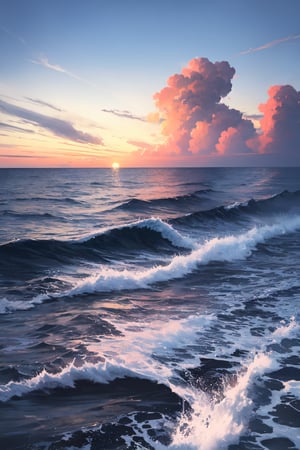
(115, 165)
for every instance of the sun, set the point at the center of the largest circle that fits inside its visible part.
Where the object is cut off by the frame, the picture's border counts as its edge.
(115, 165)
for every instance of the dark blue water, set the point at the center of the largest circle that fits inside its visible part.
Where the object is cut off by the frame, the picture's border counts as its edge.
(150, 309)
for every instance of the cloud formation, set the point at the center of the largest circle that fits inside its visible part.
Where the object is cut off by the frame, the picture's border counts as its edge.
(198, 126)
(193, 118)
(124, 113)
(271, 44)
(58, 127)
(280, 124)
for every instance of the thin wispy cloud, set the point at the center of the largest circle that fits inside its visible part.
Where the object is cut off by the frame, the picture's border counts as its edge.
(142, 146)
(20, 156)
(7, 126)
(44, 62)
(14, 36)
(58, 127)
(124, 113)
(271, 44)
(42, 103)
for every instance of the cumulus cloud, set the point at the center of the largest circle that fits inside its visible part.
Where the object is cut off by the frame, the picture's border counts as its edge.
(124, 113)
(193, 118)
(196, 123)
(280, 124)
(58, 127)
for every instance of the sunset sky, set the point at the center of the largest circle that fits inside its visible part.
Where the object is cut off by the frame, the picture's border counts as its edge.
(149, 83)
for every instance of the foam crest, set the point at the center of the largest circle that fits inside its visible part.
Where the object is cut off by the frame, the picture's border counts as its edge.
(138, 344)
(286, 330)
(7, 306)
(103, 372)
(130, 355)
(228, 249)
(214, 426)
(167, 232)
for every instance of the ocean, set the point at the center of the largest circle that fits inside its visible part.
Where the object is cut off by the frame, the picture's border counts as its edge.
(150, 309)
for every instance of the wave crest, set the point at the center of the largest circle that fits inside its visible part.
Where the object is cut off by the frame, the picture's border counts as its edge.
(228, 249)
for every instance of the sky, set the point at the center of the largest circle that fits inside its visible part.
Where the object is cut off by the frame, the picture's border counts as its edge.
(161, 83)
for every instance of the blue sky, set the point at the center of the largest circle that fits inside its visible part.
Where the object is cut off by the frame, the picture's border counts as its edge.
(83, 57)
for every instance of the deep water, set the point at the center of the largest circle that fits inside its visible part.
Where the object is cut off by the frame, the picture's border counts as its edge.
(150, 309)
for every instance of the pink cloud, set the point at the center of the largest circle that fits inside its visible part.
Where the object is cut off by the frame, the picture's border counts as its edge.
(198, 127)
(280, 124)
(193, 118)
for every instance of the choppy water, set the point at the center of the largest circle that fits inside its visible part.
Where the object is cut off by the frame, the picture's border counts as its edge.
(150, 309)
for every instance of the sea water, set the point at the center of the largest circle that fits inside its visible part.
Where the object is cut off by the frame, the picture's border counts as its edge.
(150, 308)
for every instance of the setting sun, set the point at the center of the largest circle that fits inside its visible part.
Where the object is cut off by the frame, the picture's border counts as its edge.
(115, 165)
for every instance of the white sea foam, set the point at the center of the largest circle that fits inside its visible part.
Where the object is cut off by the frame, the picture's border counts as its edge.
(236, 205)
(215, 425)
(212, 424)
(103, 372)
(128, 355)
(139, 343)
(8, 306)
(228, 249)
(290, 329)
(291, 389)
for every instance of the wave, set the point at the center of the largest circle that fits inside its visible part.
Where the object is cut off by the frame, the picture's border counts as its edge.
(213, 425)
(156, 226)
(103, 373)
(283, 203)
(177, 202)
(208, 420)
(152, 235)
(41, 253)
(127, 357)
(131, 361)
(227, 249)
